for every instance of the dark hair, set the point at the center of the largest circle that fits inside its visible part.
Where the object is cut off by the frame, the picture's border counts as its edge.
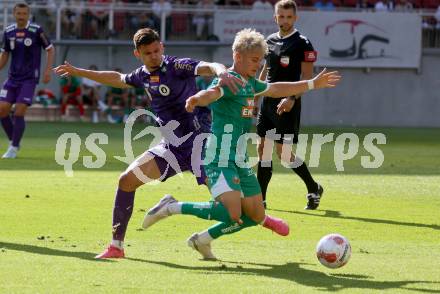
(21, 5)
(145, 36)
(286, 4)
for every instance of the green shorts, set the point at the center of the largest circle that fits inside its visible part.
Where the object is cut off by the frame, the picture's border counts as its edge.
(231, 178)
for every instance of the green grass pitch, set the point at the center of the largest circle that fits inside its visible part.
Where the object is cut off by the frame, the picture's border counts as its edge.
(51, 226)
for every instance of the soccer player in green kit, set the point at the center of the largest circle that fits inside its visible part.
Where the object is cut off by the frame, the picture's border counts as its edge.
(231, 181)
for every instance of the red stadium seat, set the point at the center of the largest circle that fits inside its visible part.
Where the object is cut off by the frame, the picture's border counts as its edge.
(350, 3)
(179, 22)
(247, 2)
(417, 3)
(119, 21)
(431, 4)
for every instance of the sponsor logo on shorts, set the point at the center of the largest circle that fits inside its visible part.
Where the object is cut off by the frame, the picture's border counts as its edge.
(3, 93)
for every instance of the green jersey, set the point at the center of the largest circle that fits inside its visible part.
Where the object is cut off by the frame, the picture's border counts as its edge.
(231, 118)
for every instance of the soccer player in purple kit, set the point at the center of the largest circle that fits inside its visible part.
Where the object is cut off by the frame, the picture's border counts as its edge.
(169, 81)
(24, 41)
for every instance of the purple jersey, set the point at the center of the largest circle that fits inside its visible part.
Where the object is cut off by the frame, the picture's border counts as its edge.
(25, 47)
(169, 87)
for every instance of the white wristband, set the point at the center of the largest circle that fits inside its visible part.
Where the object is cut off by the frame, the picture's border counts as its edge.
(310, 84)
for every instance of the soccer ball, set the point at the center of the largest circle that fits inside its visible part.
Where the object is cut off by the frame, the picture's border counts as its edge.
(333, 251)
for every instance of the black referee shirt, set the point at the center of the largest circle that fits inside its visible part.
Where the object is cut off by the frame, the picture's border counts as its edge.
(285, 56)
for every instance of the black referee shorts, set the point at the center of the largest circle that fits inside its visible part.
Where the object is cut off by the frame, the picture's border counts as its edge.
(287, 123)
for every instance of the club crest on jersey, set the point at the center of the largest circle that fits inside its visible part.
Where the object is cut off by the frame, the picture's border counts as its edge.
(164, 90)
(28, 41)
(284, 61)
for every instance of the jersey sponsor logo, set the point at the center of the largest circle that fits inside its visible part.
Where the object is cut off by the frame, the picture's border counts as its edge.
(183, 66)
(284, 61)
(310, 56)
(12, 43)
(28, 42)
(164, 90)
(3, 93)
(20, 34)
(154, 79)
(33, 30)
(250, 102)
(246, 111)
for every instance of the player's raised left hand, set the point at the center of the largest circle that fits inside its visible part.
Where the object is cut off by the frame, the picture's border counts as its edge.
(326, 79)
(230, 81)
(66, 69)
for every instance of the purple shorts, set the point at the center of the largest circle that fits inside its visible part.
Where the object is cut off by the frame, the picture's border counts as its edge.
(173, 160)
(18, 91)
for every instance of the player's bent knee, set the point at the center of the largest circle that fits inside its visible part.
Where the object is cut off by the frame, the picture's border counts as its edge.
(4, 111)
(128, 182)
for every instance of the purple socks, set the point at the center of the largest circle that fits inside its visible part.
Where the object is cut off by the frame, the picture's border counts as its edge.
(122, 213)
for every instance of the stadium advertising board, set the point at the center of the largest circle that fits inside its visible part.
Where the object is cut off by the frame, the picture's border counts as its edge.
(343, 39)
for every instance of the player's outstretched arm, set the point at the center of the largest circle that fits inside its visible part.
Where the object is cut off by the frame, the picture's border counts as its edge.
(218, 69)
(4, 56)
(110, 78)
(50, 56)
(283, 89)
(202, 98)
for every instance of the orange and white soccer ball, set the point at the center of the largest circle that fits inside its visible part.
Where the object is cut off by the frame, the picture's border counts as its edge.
(333, 251)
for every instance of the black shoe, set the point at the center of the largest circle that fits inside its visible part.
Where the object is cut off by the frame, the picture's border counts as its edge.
(264, 204)
(314, 198)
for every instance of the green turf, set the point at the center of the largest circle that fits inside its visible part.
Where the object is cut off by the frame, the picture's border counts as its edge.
(391, 215)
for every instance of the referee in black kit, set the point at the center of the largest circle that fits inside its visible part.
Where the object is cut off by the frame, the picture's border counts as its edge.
(290, 58)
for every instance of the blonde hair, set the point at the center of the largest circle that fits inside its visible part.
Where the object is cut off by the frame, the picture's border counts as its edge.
(249, 39)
